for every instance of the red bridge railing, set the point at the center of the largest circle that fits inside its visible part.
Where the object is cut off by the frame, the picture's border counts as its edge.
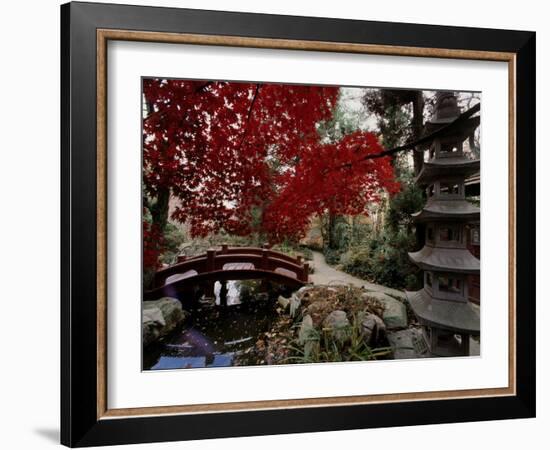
(218, 264)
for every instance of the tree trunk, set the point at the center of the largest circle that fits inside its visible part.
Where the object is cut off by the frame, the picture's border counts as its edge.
(418, 154)
(330, 232)
(159, 210)
(417, 127)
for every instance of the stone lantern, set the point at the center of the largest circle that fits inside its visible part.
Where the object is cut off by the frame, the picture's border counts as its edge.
(447, 318)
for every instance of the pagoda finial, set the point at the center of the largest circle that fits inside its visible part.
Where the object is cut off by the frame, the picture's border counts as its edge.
(446, 107)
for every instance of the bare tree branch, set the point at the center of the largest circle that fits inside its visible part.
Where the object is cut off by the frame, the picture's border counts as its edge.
(465, 116)
(249, 115)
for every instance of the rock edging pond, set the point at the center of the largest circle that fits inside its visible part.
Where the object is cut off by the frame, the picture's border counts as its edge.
(330, 324)
(159, 318)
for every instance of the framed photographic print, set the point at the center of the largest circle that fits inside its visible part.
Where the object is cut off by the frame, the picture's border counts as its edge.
(276, 224)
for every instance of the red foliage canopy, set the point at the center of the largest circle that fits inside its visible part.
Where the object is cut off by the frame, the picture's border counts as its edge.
(334, 178)
(227, 150)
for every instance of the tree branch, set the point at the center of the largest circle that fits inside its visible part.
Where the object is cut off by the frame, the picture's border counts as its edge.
(411, 145)
(249, 115)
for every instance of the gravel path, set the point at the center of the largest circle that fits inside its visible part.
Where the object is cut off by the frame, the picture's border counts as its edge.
(325, 274)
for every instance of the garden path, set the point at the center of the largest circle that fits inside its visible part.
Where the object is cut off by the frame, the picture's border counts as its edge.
(325, 274)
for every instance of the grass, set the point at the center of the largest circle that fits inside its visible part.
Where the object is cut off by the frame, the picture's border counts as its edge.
(323, 346)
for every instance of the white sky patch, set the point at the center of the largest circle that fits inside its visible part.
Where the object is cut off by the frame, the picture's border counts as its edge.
(350, 102)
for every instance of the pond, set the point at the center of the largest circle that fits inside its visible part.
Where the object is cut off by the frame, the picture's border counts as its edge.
(219, 336)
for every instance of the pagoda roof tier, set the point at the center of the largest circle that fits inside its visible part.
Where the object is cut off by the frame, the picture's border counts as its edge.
(461, 317)
(465, 129)
(440, 259)
(455, 209)
(444, 167)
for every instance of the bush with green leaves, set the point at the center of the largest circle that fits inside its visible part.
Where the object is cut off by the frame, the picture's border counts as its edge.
(384, 260)
(338, 235)
(403, 204)
(293, 249)
(174, 237)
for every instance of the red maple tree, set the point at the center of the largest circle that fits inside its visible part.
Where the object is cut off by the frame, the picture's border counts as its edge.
(227, 150)
(334, 178)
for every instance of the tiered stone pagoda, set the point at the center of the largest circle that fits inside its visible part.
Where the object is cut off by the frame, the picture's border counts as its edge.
(448, 319)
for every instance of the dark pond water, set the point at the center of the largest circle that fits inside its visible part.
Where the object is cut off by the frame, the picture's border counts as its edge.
(218, 336)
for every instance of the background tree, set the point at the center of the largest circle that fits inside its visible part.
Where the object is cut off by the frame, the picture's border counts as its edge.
(335, 228)
(400, 117)
(333, 179)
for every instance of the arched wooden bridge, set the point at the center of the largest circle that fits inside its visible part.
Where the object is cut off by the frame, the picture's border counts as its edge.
(228, 263)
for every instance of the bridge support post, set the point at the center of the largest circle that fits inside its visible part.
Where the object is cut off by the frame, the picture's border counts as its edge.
(264, 264)
(210, 267)
(305, 272)
(210, 260)
(224, 248)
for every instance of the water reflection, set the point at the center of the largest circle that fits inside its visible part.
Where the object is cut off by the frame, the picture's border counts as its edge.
(215, 336)
(233, 292)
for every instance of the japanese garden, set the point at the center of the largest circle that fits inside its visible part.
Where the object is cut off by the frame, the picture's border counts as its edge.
(288, 224)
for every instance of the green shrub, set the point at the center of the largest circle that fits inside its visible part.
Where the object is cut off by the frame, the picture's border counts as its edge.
(402, 205)
(360, 232)
(294, 250)
(174, 237)
(332, 255)
(384, 260)
(412, 283)
(341, 234)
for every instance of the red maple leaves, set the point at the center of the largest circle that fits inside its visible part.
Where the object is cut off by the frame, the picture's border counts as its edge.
(332, 178)
(153, 244)
(247, 157)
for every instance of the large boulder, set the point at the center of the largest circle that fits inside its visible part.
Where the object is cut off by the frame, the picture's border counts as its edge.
(373, 329)
(395, 312)
(306, 329)
(308, 336)
(338, 324)
(319, 310)
(403, 343)
(152, 323)
(160, 317)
